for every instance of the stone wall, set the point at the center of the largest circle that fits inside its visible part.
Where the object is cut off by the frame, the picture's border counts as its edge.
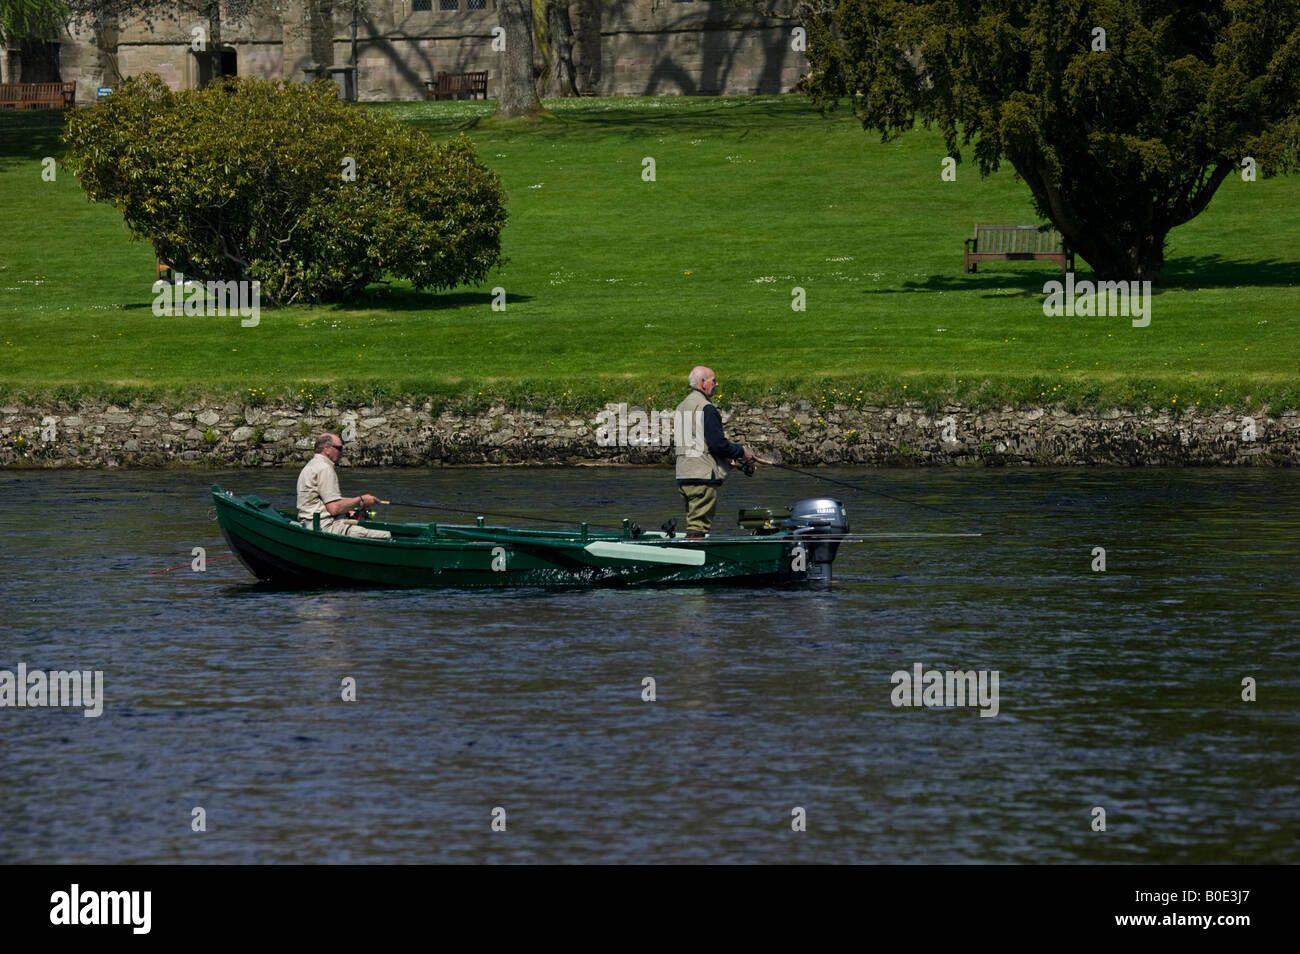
(151, 435)
(644, 47)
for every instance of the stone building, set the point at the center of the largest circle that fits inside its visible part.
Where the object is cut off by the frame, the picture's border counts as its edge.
(585, 47)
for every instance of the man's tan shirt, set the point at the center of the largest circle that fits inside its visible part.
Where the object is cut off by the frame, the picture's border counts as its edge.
(318, 485)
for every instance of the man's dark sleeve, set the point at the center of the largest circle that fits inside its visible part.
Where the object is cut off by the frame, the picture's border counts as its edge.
(716, 440)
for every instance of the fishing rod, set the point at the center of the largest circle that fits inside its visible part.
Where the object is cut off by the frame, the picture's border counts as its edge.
(519, 516)
(860, 489)
(795, 470)
(490, 513)
(831, 536)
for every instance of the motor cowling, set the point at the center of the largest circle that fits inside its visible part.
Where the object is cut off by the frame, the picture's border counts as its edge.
(818, 523)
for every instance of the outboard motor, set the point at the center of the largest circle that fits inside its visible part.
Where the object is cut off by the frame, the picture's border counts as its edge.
(818, 523)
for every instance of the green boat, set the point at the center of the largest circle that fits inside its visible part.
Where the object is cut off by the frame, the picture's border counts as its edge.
(280, 550)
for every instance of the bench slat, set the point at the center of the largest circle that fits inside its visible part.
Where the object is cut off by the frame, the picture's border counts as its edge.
(1017, 243)
(452, 85)
(38, 95)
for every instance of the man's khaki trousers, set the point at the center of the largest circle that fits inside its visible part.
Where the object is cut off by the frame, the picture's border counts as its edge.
(701, 502)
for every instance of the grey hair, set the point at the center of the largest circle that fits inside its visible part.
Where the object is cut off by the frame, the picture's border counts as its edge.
(696, 376)
(323, 442)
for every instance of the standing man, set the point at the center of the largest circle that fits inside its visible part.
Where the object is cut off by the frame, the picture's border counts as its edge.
(318, 492)
(703, 452)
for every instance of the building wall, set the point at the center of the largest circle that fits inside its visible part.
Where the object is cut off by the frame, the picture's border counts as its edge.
(647, 47)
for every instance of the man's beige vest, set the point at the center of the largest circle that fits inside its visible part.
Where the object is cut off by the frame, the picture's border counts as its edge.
(694, 462)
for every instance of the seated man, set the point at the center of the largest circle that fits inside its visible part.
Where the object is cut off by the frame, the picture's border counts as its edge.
(318, 492)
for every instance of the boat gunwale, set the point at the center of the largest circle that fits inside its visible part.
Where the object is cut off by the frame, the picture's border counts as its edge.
(461, 535)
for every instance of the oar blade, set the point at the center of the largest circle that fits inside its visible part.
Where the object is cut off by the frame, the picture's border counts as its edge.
(645, 553)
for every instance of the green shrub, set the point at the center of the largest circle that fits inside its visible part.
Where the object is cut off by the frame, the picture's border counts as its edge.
(250, 180)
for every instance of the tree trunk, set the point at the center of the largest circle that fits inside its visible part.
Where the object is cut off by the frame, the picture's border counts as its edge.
(1129, 250)
(320, 18)
(1117, 255)
(212, 10)
(518, 95)
(563, 78)
(1129, 257)
(584, 17)
(106, 37)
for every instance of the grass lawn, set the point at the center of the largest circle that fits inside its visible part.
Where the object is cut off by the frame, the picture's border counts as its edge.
(617, 286)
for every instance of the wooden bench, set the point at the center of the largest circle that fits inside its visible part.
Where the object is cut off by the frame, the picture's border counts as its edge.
(455, 85)
(1016, 243)
(38, 95)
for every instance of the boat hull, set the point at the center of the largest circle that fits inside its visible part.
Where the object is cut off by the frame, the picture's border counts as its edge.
(279, 551)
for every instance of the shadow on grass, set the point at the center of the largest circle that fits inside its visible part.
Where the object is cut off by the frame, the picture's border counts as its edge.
(29, 135)
(1215, 271)
(33, 134)
(993, 284)
(405, 298)
(1206, 271)
(711, 116)
(380, 298)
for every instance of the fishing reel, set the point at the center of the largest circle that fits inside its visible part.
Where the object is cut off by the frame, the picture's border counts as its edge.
(746, 467)
(359, 512)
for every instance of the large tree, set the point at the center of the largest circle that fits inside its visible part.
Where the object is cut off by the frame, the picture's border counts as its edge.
(1120, 137)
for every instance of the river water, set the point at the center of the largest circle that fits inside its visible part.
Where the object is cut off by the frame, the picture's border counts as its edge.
(1120, 690)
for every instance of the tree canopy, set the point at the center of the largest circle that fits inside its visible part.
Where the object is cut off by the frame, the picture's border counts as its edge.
(1122, 116)
(31, 20)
